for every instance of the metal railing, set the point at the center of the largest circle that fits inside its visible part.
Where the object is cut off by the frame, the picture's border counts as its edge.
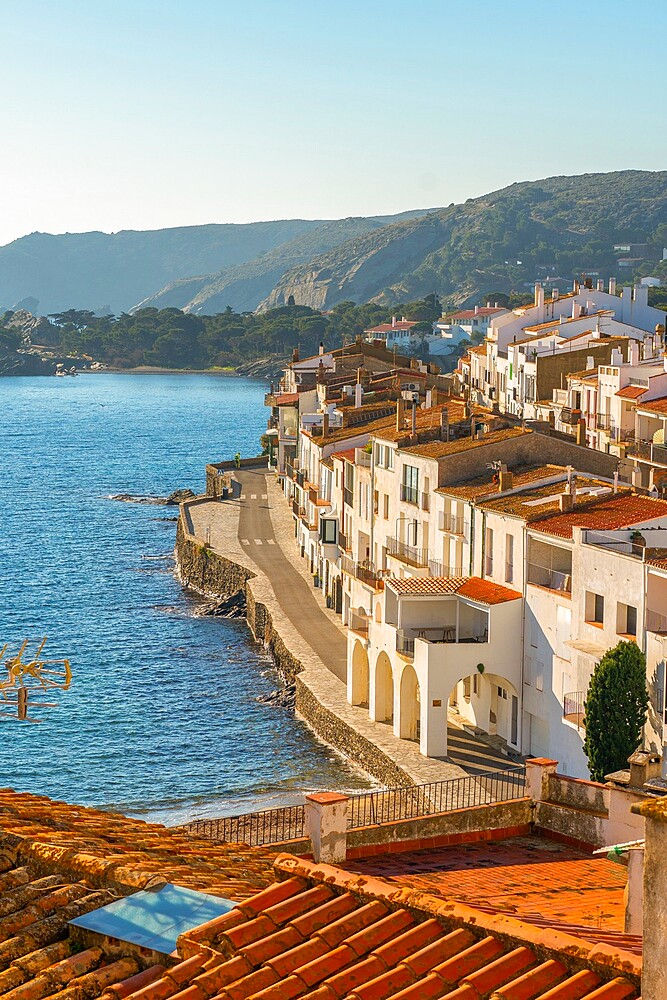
(573, 708)
(348, 497)
(437, 568)
(390, 805)
(451, 523)
(363, 571)
(405, 644)
(652, 452)
(344, 543)
(407, 553)
(270, 826)
(544, 576)
(415, 801)
(603, 421)
(410, 494)
(300, 477)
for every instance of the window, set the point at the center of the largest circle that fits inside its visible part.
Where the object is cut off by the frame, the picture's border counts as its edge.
(475, 683)
(389, 457)
(466, 688)
(410, 484)
(509, 558)
(594, 608)
(488, 552)
(386, 506)
(328, 531)
(626, 619)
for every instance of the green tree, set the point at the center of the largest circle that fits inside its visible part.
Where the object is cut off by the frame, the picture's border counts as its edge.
(615, 709)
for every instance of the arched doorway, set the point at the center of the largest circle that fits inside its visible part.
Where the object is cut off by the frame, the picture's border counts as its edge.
(384, 689)
(360, 675)
(410, 705)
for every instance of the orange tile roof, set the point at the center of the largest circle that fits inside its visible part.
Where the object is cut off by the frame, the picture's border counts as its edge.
(470, 313)
(326, 934)
(487, 592)
(287, 399)
(632, 391)
(617, 512)
(474, 588)
(487, 484)
(400, 324)
(440, 449)
(655, 405)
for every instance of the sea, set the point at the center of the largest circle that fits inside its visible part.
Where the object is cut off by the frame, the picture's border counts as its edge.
(163, 718)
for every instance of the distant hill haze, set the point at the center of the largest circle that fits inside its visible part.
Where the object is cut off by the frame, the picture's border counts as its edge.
(553, 228)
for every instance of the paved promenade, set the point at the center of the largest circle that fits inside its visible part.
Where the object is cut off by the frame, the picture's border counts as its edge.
(256, 530)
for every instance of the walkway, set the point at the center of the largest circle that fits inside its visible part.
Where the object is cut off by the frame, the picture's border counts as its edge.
(257, 529)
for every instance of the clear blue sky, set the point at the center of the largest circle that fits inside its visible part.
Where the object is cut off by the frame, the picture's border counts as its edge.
(119, 114)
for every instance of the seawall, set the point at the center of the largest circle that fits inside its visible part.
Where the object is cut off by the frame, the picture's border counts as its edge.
(209, 573)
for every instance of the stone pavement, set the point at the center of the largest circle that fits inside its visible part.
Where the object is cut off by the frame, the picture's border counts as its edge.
(256, 530)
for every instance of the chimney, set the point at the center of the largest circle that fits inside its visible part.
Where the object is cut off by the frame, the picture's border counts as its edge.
(565, 502)
(476, 310)
(616, 356)
(434, 397)
(358, 395)
(575, 286)
(414, 418)
(633, 353)
(393, 321)
(400, 413)
(325, 423)
(612, 286)
(321, 348)
(600, 285)
(488, 304)
(444, 424)
(295, 355)
(555, 294)
(616, 481)
(576, 310)
(536, 299)
(505, 479)
(581, 433)
(429, 400)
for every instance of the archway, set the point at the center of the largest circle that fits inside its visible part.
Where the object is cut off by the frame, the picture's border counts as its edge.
(384, 689)
(410, 705)
(360, 675)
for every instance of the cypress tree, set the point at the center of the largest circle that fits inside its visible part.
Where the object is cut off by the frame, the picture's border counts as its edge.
(615, 709)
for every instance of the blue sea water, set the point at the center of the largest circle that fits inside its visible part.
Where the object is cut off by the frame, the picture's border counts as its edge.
(161, 720)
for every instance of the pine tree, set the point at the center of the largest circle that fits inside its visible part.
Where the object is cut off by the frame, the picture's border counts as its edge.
(616, 706)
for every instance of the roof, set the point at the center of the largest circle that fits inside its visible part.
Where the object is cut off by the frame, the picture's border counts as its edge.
(487, 484)
(287, 399)
(617, 512)
(534, 502)
(440, 449)
(471, 313)
(400, 324)
(325, 934)
(474, 588)
(656, 405)
(632, 391)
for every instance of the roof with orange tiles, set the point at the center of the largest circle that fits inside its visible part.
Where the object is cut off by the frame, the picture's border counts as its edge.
(345, 456)
(440, 449)
(320, 933)
(632, 391)
(616, 512)
(533, 502)
(287, 399)
(474, 588)
(655, 405)
(472, 313)
(487, 484)
(400, 324)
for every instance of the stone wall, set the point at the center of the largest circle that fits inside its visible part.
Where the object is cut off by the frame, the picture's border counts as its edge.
(204, 570)
(213, 469)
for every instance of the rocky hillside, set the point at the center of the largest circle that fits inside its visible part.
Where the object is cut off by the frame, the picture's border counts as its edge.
(559, 226)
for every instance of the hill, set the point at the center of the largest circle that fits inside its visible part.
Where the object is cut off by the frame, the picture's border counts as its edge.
(559, 226)
(115, 272)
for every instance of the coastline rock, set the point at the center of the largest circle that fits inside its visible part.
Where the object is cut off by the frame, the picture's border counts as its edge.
(282, 698)
(178, 496)
(231, 607)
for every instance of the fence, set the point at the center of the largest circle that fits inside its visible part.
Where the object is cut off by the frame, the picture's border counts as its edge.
(274, 826)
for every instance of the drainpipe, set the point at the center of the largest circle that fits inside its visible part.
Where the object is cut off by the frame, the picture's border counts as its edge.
(473, 512)
(373, 504)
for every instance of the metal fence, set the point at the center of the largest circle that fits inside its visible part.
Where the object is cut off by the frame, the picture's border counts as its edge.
(275, 826)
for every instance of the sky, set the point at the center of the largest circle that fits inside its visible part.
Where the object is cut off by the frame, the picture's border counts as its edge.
(144, 114)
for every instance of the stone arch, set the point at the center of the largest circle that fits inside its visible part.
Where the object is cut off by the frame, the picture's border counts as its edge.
(410, 704)
(360, 675)
(384, 689)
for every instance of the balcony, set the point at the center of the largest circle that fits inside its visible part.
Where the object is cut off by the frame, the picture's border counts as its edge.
(656, 622)
(410, 494)
(451, 524)
(573, 708)
(409, 554)
(362, 457)
(344, 544)
(551, 579)
(649, 452)
(348, 497)
(359, 624)
(474, 630)
(270, 399)
(603, 422)
(300, 477)
(437, 568)
(362, 571)
(405, 644)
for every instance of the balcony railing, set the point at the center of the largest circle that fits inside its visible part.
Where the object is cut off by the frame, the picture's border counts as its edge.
(300, 477)
(437, 568)
(573, 708)
(405, 644)
(410, 494)
(409, 554)
(344, 543)
(656, 453)
(363, 571)
(359, 623)
(603, 421)
(656, 622)
(348, 497)
(544, 576)
(451, 524)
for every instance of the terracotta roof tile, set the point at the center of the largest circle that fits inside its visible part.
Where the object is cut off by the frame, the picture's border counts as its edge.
(632, 391)
(440, 449)
(474, 587)
(617, 512)
(487, 592)
(655, 405)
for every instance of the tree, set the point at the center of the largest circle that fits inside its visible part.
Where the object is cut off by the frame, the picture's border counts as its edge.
(615, 709)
